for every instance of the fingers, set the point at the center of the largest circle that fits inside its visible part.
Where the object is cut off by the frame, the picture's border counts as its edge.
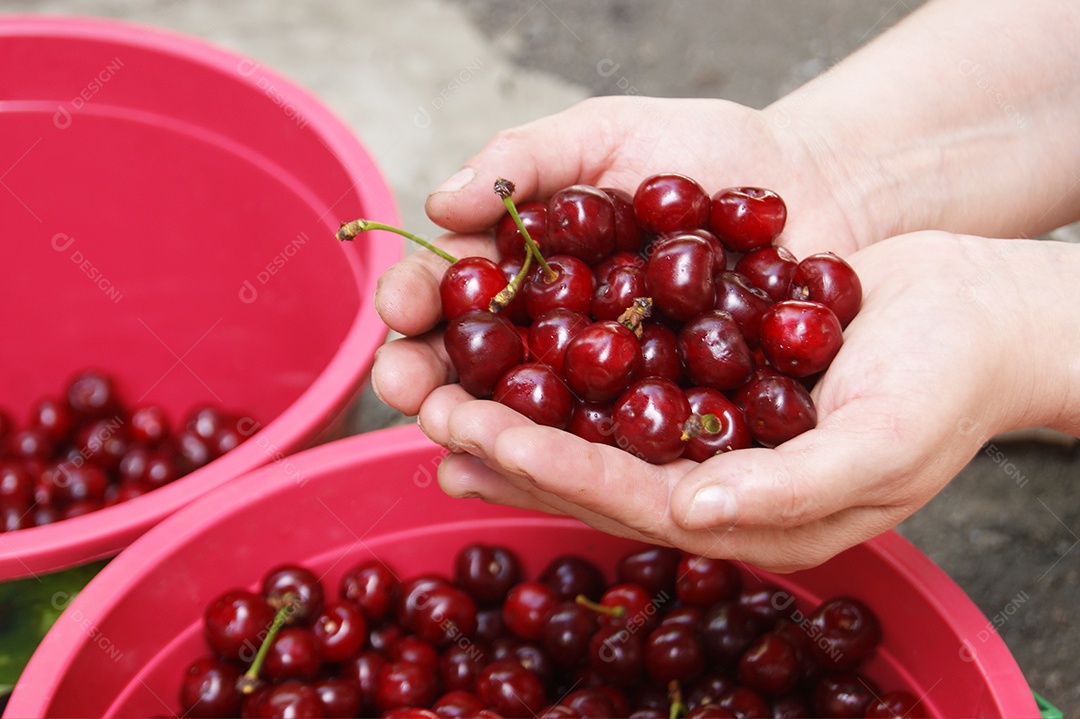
(407, 297)
(434, 416)
(466, 476)
(407, 370)
(540, 158)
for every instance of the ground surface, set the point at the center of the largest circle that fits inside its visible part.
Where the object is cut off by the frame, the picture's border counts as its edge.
(425, 82)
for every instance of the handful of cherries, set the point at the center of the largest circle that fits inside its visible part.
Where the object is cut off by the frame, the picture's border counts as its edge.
(665, 323)
(674, 636)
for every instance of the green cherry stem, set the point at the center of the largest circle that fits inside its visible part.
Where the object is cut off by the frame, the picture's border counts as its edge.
(505, 190)
(507, 294)
(250, 680)
(349, 230)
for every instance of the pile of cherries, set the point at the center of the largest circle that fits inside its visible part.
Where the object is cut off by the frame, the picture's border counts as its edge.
(87, 450)
(675, 636)
(666, 323)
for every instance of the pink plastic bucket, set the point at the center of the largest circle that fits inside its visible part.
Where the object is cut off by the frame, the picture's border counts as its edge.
(121, 646)
(169, 215)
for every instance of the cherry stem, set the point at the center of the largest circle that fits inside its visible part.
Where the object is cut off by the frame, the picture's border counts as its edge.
(617, 611)
(250, 681)
(699, 424)
(507, 294)
(349, 230)
(505, 190)
(677, 709)
(639, 311)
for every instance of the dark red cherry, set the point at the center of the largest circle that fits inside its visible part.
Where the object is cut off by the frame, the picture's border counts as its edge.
(469, 284)
(552, 331)
(29, 444)
(572, 288)
(794, 706)
(206, 421)
(892, 705)
(293, 654)
(744, 703)
(592, 421)
(16, 485)
(673, 652)
(458, 704)
(363, 671)
(708, 689)
(290, 700)
(629, 236)
(508, 239)
(601, 361)
(13, 518)
(770, 665)
(848, 633)
(208, 689)
(149, 425)
(538, 392)
(828, 280)
(340, 630)
(590, 702)
(76, 482)
(414, 595)
(459, 664)
(103, 442)
(487, 572)
(297, 586)
(744, 302)
(616, 654)
(566, 631)
(679, 277)
(732, 433)
(719, 253)
(727, 630)
(235, 624)
(654, 568)
(339, 697)
(617, 292)
(778, 409)
(482, 346)
(769, 268)
(581, 223)
(510, 689)
(766, 604)
(704, 581)
(192, 450)
(53, 418)
(710, 711)
(92, 395)
(843, 696)
(489, 625)
(515, 311)
(618, 260)
(445, 614)
(746, 218)
(414, 649)
(671, 203)
(649, 418)
(525, 607)
(800, 338)
(570, 575)
(660, 350)
(713, 351)
(372, 586)
(404, 684)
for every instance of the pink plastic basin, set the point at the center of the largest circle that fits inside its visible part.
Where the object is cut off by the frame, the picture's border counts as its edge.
(120, 647)
(169, 213)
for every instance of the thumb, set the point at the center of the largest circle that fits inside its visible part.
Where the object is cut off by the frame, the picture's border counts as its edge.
(540, 158)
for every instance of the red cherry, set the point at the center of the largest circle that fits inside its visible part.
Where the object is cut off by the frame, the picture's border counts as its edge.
(538, 392)
(671, 202)
(92, 395)
(616, 261)
(486, 572)
(769, 268)
(629, 236)
(848, 633)
(800, 338)
(674, 652)
(679, 277)
(617, 655)
(510, 689)
(404, 684)
(614, 294)
(371, 586)
(208, 689)
(552, 331)
(572, 289)
(649, 418)
(469, 284)
(457, 704)
(593, 422)
(482, 346)
(660, 351)
(704, 581)
(778, 409)
(297, 586)
(149, 425)
(235, 624)
(713, 351)
(16, 485)
(654, 568)
(602, 361)
(340, 630)
(828, 280)
(570, 575)
(459, 665)
(525, 607)
(744, 302)
(339, 697)
(843, 696)
(508, 239)
(294, 654)
(581, 223)
(746, 218)
(896, 704)
(770, 665)
(290, 700)
(53, 418)
(719, 253)
(732, 434)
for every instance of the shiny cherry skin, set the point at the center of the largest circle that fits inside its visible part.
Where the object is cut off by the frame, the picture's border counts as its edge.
(670, 202)
(413, 596)
(469, 284)
(794, 705)
(570, 575)
(592, 421)
(673, 653)
(629, 237)
(29, 444)
(649, 418)
(290, 700)
(363, 671)
(770, 665)
(891, 705)
(727, 631)
(660, 351)
(572, 288)
(630, 604)
(294, 654)
(458, 704)
(566, 632)
(371, 586)
(766, 604)
(149, 425)
(744, 702)
(404, 684)
(828, 280)
(590, 702)
(340, 630)
(16, 485)
(704, 581)
(161, 468)
(537, 392)
(413, 649)
(800, 338)
(843, 696)
(208, 689)
(303, 587)
(510, 689)
(581, 223)
(482, 347)
(713, 351)
(445, 614)
(719, 253)
(778, 409)
(103, 442)
(489, 625)
(193, 451)
(745, 303)
(733, 433)
(746, 218)
(526, 605)
(617, 655)
(617, 260)
(515, 311)
(235, 623)
(848, 630)
(76, 482)
(486, 572)
(679, 277)
(602, 361)
(769, 268)
(654, 568)
(459, 665)
(508, 239)
(710, 711)
(617, 292)
(339, 697)
(551, 332)
(707, 689)
(53, 418)
(92, 395)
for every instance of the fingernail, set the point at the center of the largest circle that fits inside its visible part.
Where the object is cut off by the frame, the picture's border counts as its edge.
(712, 505)
(457, 181)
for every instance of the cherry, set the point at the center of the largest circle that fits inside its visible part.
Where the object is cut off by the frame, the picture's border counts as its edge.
(16, 485)
(339, 697)
(293, 654)
(410, 713)
(103, 442)
(469, 284)
(416, 650)
(732, 433)
(290, 700)
(727, 630)
(660, 351)
(778, 409)
(510, 689)
(444, 614)
(686, 615)
(848, 630)
(208, 689)
(710, 711)
(770, 665)
(671, 203)
(566, 632)
(92, 395)
(457, 704)
(828, 280)
(719, 253)
(654, 568)
(617, 260)
(404, 684)
(629, 236)
(592, 421)
(363, 671)
(193, 450)
(762, 604)
(601, 361)
(570, 575)
(482, 346)
(842, 696)
(572, 289)
(558, 711)
(746, 218)
(769, 268)
(708, 689)
(13, 518)
(515, 311)
(649, 418)
(29, 444)
(371, 586)
(552, 331)
(526, 605)
(489, 625)
(149, 425)
(459, 665)
(532, 657)
(704, 581)
(486, 572)
(896, 704)
(76, 483)
(800, 338)
(414, 595)
(206, 422)
(793, 706)
(744, 302)
(340, 630)
(590, 702)
(235, 623)
(297, 586)
(537, 392)
(679, 277)
(581, 223)
(617, 291)
(384, 636)
(52, 418)
(673, 652)
(745, 703)
(617, 655)
(713, 351)
(508, 239)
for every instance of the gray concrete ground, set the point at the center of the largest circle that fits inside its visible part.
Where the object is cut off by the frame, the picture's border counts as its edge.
(425, 82)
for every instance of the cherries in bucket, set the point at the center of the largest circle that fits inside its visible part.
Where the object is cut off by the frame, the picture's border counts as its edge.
(666, 323)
